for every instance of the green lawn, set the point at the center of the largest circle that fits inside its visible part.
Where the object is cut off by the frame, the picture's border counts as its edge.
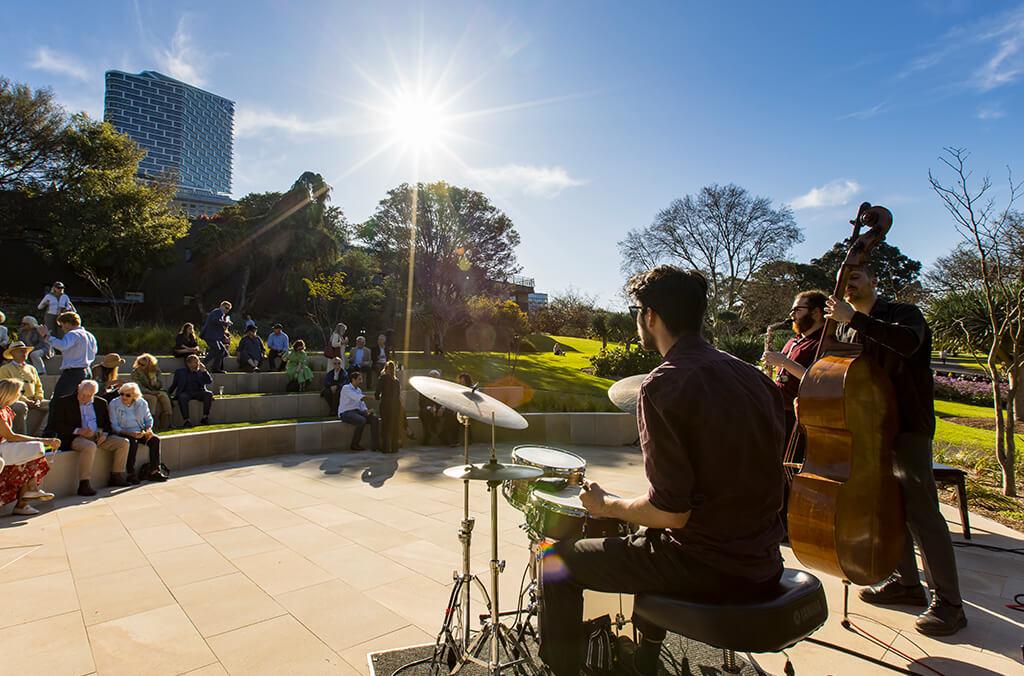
(558, 383)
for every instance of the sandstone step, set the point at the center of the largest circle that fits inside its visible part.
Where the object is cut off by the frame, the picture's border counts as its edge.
(233, 383)
(317, 362)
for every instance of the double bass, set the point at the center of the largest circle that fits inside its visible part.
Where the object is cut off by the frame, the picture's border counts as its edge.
(845, 508)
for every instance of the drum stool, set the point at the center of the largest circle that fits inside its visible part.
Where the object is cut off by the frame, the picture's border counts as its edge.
(766, 626)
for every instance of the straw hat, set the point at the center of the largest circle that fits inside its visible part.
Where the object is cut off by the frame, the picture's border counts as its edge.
(16, 345)
(111, 360)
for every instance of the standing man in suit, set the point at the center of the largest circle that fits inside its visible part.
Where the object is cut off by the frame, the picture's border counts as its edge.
(82, 423)
(215, 333)
(380, 354)
(190, 382)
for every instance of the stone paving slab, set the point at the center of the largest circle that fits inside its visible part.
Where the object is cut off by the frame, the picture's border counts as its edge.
(304, 563)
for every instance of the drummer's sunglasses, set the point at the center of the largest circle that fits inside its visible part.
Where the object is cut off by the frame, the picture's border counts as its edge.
(635, 311)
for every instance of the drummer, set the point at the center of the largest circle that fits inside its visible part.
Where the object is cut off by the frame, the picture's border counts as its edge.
(712, 434)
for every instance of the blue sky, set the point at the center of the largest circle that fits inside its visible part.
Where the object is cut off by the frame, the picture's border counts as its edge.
(580, 119)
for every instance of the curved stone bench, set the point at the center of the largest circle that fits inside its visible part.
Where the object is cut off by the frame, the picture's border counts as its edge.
(195, 449)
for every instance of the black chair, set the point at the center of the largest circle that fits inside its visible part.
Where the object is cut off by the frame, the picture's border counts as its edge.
(945, 475)
(767, 626)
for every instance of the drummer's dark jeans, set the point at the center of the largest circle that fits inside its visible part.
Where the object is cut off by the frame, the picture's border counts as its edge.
(645, 562)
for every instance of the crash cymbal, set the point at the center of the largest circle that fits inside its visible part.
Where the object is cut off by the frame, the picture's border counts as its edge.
(493, 472)
(625, 393)
(470, 402)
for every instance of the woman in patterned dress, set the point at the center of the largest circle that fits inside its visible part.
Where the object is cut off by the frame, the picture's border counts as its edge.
(19, 481)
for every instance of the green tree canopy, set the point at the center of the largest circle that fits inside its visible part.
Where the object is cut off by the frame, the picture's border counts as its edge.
(31, 132)
(453, 240)
(899, 276)
(110, 227)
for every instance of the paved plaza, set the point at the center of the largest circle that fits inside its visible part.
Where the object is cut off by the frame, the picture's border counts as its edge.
(302, 564)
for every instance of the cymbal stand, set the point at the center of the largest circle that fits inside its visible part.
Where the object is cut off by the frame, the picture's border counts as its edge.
(455, 634)
(495, 634)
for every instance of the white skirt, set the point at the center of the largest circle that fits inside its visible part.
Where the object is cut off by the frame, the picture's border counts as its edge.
(20, 452)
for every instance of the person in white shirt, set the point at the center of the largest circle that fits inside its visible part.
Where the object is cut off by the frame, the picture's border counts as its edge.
(352, 410)
(339, 344)
(78, 350)
(53, 304)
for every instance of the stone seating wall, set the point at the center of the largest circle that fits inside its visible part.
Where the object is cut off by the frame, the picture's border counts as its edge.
(196, 449)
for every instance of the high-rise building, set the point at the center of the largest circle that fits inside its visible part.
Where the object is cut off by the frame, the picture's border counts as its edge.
(186, 132)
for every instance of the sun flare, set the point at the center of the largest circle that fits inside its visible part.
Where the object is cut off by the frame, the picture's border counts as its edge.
(417, 122)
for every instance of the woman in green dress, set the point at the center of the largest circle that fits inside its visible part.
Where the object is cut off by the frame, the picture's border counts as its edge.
(297, 365)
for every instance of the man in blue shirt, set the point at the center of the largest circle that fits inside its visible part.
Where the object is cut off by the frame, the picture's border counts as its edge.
(277, 346)
(78, 350)
(190, 383)
(215, 333)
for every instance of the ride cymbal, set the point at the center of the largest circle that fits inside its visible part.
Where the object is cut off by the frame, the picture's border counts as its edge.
(625, 393)
(493, 472)
(469, 402)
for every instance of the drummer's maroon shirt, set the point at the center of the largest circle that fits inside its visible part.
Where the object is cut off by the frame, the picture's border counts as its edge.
(712, 432)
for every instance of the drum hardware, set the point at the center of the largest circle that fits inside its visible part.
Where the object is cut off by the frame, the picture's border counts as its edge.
(456, 645)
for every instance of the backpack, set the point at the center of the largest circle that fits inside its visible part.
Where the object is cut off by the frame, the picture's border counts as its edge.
(149, 472)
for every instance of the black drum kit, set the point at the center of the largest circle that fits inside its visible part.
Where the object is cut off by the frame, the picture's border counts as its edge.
(542, 482)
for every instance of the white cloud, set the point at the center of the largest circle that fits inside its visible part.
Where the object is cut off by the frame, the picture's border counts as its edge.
(990, 113)
(61, 64)
(865, 114)
(183, 60)
(547, 182)
(253, 122)
(1007, 64)
(832, 194)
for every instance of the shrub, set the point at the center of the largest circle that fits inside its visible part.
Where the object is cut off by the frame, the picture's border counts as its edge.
(976, 391)
(746, 346)
(618, 363)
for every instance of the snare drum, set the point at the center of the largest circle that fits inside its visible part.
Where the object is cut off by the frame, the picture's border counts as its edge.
(561, 516)
(561, 469)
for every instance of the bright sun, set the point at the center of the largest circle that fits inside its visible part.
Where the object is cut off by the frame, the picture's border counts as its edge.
(417, 122)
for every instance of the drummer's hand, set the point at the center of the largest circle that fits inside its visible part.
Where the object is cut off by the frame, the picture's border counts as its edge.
(594, 499)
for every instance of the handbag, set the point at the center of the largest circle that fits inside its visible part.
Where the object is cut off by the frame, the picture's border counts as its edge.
(20, 452)
(149, 472)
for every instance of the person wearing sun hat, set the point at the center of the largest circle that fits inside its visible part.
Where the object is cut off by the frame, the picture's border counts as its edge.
(29, 334)
(106, 374)
(32, 395)
(53, 305)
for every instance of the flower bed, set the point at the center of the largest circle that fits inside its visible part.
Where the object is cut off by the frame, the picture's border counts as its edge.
(966, 389)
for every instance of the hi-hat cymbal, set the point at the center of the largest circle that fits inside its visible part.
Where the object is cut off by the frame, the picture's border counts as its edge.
(493, 472)
(625, 393)
(469, 402)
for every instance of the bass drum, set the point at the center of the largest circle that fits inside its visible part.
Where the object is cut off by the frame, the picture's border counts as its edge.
(561, 516)
(561, 469)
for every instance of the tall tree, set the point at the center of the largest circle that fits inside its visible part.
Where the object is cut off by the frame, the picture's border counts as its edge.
(723, 231)
(994, 235)
(31, 131)
(768, 295)
(108, 226)
(445, 244)
(899, 276)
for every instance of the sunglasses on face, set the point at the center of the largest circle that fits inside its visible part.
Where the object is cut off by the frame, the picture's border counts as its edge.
(126, 396)
(635, 311)
(793, 310)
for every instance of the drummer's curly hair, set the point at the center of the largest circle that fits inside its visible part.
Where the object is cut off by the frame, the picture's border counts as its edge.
(680, 297)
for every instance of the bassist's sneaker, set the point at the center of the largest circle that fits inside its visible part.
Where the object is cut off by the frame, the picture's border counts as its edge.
(891, 592)
(941, 619)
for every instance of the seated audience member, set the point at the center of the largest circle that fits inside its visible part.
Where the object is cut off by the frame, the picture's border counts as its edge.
(250, 350)
(249, 321)
(186, 342)
(29, 334)
(146, 373)
(77, 349)
(380, 355)
(32, 396)
(352, 410)
(277, 347)
(190, 382)
(82, 423)
(53, 305)
(430, 414)
(557, 350)
(297, 366)
(131, 419)
(21, 458)
(360, 359)
(107, 375)
(337, 344)
(5, 337)
(333, 382)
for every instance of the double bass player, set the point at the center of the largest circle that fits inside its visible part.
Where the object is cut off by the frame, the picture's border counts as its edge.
(897, 337)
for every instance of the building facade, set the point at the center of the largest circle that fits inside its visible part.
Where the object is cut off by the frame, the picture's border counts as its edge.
(186, 132)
